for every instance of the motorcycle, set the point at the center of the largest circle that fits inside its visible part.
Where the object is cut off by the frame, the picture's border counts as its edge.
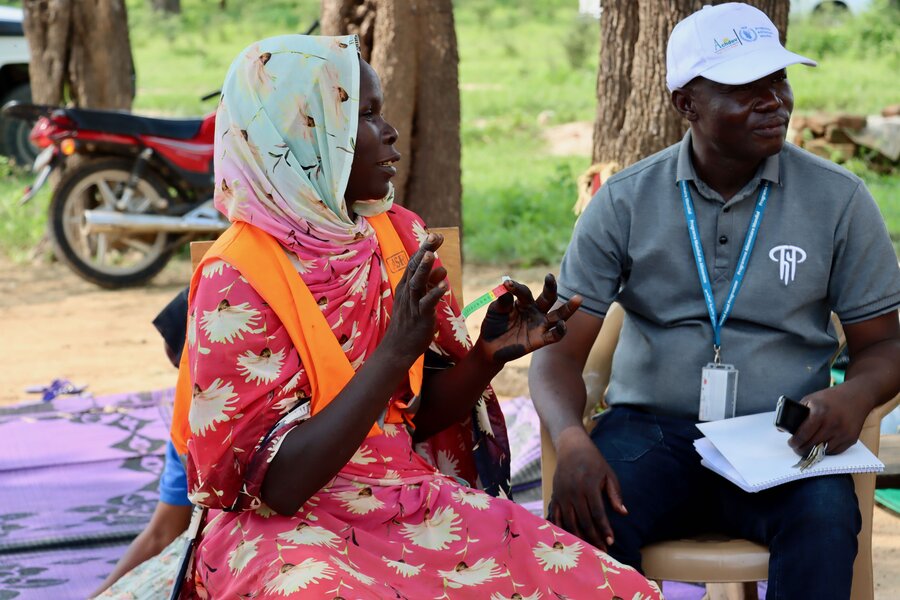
(132, 189)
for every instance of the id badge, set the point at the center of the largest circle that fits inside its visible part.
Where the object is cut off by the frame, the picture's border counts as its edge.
(718, 392)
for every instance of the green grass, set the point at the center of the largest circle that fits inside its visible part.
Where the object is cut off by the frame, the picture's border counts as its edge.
(518, 59)
(858, 62)
(886, 191)
(21, 227)
(517, 200)
(178, 59)
(844, 84)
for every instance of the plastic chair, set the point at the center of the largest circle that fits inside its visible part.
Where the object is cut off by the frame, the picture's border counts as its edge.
(718, 559)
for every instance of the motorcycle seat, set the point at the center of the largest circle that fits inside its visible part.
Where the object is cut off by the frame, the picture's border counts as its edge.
(128, 124)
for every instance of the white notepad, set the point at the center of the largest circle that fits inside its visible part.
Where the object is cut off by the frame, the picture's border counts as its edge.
(751, 453)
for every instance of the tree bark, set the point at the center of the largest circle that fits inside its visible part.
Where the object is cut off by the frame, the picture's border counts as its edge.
(172, 7)
(80, 51)
(340, 17)
(46, 25)
(395, 58)
(634, 113)
(101, 69)
(412, 46)
(434, 186)
(619, 30)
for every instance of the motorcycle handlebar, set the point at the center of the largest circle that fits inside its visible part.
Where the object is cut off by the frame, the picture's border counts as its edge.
(313, 27)
(26, 111)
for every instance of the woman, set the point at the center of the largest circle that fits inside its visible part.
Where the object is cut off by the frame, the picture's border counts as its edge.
(307, 331)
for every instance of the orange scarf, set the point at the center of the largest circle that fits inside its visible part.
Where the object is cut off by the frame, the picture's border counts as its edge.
(263, 263)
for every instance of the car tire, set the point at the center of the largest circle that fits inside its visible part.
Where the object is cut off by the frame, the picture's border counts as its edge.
(14, 133)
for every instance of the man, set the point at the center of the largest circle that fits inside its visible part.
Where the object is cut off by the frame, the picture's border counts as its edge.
(820, 246)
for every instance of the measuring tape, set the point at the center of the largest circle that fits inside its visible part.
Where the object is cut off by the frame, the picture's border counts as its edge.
(486, 298)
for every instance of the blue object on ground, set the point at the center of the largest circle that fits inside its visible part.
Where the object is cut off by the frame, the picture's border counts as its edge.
(56, 388)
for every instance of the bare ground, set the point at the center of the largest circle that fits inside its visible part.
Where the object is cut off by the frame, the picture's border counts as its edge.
(53, 325)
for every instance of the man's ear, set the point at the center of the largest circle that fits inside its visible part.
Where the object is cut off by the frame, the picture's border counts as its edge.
(683, 102)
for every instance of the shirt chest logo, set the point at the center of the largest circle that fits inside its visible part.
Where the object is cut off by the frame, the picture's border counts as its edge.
(787, 257)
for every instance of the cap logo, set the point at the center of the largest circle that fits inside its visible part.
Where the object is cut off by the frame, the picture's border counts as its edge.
(747, 34)
(744, 35)
(725, 42)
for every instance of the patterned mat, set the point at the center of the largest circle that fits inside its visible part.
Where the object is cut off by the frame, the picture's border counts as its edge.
(78, 480)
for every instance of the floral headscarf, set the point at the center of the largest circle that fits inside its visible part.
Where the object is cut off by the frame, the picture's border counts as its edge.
(285, 137)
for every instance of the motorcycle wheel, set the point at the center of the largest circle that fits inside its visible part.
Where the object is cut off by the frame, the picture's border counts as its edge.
(109, 259)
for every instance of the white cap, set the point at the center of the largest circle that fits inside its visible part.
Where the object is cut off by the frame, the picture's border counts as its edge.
(731, 43)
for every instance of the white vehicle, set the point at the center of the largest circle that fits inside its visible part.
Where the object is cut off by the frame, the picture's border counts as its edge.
(14, 85)
(589, 8)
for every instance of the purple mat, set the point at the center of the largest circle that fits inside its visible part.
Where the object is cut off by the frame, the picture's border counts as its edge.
(58, 574)
(78, 480)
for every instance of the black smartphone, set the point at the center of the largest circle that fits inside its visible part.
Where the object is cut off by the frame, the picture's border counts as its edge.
(790, 414)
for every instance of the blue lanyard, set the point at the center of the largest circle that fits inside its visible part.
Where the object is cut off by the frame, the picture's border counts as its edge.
(739, 272)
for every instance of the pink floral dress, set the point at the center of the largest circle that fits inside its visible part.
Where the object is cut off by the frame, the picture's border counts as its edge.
(390, 524)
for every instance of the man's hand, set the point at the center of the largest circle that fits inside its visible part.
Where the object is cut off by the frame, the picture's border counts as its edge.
(836, 417)
(582, 478)
(837, 414)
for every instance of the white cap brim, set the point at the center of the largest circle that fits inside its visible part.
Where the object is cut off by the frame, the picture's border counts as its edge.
(751, 66)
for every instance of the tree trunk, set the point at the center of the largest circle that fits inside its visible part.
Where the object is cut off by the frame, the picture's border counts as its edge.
(46, 25)
(651, 122)
(412, 46)
(172, 7)
(81, 51)
(340, 17)
(634, 113)
(619, 30)
(395, 58)
(101, 69)
(434, 186)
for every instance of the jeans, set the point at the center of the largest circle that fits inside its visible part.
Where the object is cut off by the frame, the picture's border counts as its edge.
(810, 526)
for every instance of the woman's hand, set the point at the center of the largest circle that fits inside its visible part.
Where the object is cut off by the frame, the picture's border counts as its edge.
(413, 319)
(517, 324)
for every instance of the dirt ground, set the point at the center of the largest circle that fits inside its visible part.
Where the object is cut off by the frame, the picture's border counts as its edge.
(54, 325)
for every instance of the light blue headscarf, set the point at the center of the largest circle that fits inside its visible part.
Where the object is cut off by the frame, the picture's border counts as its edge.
(285, 138)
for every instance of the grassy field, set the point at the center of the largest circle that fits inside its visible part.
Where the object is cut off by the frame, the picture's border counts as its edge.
(518, 61)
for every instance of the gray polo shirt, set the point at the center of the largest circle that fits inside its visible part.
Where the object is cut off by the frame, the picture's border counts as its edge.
(822, 247)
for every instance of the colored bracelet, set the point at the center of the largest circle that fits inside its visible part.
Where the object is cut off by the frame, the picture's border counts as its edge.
(486, 298)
